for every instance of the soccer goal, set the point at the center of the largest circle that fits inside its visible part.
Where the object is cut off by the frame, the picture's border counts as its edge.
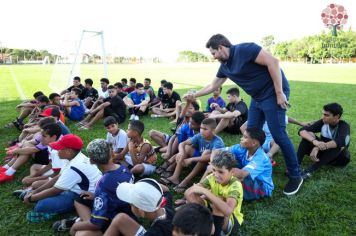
(85, 58)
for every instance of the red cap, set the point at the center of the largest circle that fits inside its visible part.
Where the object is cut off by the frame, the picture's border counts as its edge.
(68, 141)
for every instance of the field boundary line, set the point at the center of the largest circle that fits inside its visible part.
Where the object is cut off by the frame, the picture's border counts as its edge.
(18, 86)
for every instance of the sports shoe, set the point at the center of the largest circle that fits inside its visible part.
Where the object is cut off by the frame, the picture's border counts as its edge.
(64, 225)
(21, 193)
(136, 117)
(132, 117)
(5, 178)
(293, 186)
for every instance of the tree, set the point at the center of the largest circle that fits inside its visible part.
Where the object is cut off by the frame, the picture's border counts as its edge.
(268, 42)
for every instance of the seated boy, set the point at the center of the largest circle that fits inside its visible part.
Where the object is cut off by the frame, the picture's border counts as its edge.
(116, 137)
(223, 192)
(119, 88)
(137, 102)
(76, 84)
(170, 101)
(193, 219)
(131, 86)
(332, 145)
(254, 166)
(233, 116)
(78, 176)
(75, 109)
(111, 106)
(36, 148)
(149, 200)
(97, 210)
(90, 93)
(194, 150)
(160, 92)
(215, 100)
(124, 84)
(142, 158)
(103, 92)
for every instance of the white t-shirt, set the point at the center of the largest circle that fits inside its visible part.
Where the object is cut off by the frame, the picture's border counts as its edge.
(118, 141)
(79, 175)
(103, 94)
(57, 163)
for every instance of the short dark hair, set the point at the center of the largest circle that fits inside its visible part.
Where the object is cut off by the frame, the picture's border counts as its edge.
(216, 40)
(233, 92)
(77, 91)
(224, 159)
(45, 121)
(193, 219)
(118, 85)
(148, 79)
(334, 108)
(110, 120)
(88, 81)
(168, 85)
(42, 98)
(111, 87)
(124, 80)
(38, 93)
(137, 125)
(195, 105)
(163, 81)
(133, 80)
(198, 117)
(56, 112)
(209, 122)
(139, 85)
(52, 129)
(257, 134)
(53, 95)
(105, 80)
(76, 78)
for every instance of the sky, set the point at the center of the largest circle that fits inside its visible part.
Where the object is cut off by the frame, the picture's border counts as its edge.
(158, 27)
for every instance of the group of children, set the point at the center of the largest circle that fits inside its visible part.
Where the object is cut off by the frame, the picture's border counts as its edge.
(101, 187)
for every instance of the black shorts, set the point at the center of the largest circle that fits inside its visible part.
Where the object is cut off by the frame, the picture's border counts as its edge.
(109, 112)
(235, 128)
(85, 202)
(41, 157)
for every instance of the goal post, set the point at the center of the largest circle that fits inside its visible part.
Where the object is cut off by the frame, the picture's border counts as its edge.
(77, 59)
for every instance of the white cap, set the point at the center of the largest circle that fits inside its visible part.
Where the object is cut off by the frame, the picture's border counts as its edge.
(145, 194)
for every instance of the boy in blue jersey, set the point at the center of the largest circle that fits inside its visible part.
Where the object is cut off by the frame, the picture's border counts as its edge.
(254, 166)
(75, 109)
(104, 203)
(215, 100)
(195, 150)
(137, 102)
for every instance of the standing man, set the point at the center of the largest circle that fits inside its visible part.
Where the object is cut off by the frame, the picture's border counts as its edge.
(258, 73)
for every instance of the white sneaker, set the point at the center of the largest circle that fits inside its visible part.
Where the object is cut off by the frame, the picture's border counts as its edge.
(132, 117)
(137, 118)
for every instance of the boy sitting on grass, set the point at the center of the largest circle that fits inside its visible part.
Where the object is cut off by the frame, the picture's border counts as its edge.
(169, 103)
(194, 150)
(142, 159)
(75, 108)
(116, 137)
(78, 176)
(149, 200)
(223, 192)
(215, 101)
(97, 210)
(233, 116)
(137, 102)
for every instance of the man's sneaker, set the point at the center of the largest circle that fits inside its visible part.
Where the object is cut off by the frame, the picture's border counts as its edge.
(306, 175)
(136, 117)
(132, 117)
(64, 225)
(21, 193)
(5, 178)
(293, 186)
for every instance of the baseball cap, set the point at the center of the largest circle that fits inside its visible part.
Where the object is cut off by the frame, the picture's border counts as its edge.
(68, 141)
(145, 194)
(99, 151)
(53, 112)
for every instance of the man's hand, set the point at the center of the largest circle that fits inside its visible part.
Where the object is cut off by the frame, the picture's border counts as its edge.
(282, 100)
(321, 145)
(314, 153)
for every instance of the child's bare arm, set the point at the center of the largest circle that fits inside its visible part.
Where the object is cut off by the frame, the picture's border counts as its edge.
(240, 174)
(25, 151)
(133, 153)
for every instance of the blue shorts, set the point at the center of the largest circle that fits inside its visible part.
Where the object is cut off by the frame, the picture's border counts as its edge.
(254, 189)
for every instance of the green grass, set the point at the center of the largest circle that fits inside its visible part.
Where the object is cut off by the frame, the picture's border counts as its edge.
(324, 206)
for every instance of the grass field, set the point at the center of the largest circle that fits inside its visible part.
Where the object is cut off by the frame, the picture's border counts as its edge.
(324, 206)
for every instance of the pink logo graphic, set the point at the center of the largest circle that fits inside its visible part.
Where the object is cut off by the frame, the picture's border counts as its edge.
(334, 16)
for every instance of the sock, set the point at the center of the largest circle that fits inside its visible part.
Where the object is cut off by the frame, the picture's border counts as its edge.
(6, 166)
(10, 171)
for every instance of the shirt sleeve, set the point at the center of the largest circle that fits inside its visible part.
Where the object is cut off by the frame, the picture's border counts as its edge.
(248, 51)
(242, 108)
(343, 137)
(254, 167)
(99, 214)
(235, 190)
(205, 182)
(121, 141)
(68, 179)
(195, 140)
(218, 143)
(315, 127)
